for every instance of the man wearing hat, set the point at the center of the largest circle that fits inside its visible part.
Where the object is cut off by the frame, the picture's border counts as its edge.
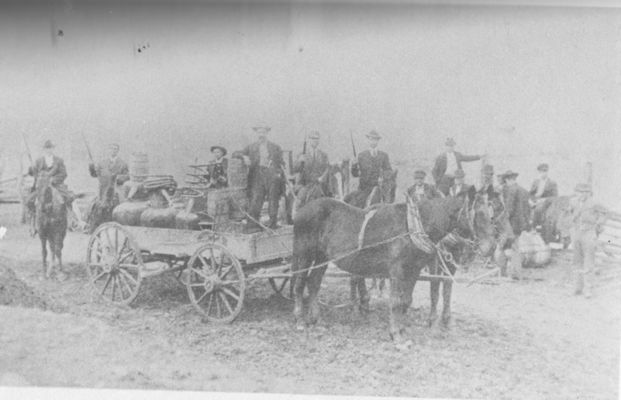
(421, 190)
(265, 177)
(112, 172)
(217, 169)
(542, 188)
(370, 164)
(49, 168)
(450, 161)
(459, 187)
(312, 168)
(587, 221)
(487, 179)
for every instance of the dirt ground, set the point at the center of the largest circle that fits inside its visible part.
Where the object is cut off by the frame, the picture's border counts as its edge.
(530, 339)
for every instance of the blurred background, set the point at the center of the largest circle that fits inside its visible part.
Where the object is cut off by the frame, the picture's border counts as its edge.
(524, 84)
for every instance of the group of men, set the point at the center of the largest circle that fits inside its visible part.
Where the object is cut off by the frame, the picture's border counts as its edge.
(267, 180)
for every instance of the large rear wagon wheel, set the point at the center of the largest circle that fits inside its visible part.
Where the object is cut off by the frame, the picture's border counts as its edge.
(114, 263)
(216, 283)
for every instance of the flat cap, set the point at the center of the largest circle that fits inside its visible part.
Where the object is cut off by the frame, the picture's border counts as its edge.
(543, 167)
(419, 173)
(373, 135)
(509, 174)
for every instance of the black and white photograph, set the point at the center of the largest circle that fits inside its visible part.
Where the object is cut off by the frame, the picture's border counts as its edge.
(310, 199)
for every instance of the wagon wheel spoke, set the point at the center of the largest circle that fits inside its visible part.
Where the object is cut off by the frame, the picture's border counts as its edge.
(202, 297)
(228, 283)
(226, 303)
(123, 284)
(107, 283)
(127, 278)
(114, 278)
(127, 275)
(95, 279)
(130, 266)
(218, 313)
(229, 292)
(225, 273)
(214, 264)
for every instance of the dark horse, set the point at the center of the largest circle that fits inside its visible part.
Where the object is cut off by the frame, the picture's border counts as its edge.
(50, 218)
(327, 229)
(383, 193)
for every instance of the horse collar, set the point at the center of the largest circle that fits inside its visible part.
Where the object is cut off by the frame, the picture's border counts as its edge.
(363, 228)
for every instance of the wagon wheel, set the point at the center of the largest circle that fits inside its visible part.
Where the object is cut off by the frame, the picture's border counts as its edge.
(114, 263)
(216, 283)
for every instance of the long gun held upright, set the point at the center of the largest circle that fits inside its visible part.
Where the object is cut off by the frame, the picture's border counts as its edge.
(88, 149)
(353, 145)
(27, 149)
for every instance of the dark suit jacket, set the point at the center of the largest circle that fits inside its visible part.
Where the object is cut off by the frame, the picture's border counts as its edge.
(274, 152)
(57, 173)
(439, 168)
(110, 174)
(217, 172)
(550, 189)
(518, 209)
(368, 168)
(312, 168)
(430, 192)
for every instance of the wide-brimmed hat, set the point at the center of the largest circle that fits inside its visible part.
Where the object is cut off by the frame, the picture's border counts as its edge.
(543, 167)
(222, 149)
(48, 144)
(419, 173)
(509, 174)
(460, 173)
(314, 135)
(373, 135)
(583, 188)
(450, 142)
(488, 169)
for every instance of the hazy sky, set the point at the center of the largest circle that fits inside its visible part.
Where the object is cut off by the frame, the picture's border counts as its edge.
(524, 84)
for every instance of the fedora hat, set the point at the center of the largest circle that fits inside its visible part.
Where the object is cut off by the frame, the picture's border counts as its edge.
(48, 144)
(373, 135)
(261, 126)
(543, 167)
(419, 173)
(222, 149)
(314, 135)
(509, 174)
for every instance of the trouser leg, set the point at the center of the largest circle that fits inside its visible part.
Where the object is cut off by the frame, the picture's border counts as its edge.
(578, 262)
(273, 197)
(256, 198)
(516, 261)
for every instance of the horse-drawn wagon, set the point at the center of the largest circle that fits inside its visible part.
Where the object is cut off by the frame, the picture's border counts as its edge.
(199, 237)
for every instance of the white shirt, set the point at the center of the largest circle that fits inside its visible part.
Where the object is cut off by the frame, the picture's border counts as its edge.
(49, 161)
(264, 155)
(541, 187)
(451, 164)
(456, 189)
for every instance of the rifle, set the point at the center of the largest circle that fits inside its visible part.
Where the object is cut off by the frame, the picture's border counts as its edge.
(353, 145)
(27, 149)
(88, 149)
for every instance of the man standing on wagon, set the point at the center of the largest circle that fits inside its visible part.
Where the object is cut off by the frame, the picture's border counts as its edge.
(541, 189)
(447, 163)
(112, 172)
(370, 164)
(265, 177)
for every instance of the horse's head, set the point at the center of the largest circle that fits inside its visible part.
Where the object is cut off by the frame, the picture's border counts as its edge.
(387, 184)
(49, 201)
(476, 221)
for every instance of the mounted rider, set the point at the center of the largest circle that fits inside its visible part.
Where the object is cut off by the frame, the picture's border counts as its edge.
(312, 167)
(370, 164)
(420, 189)
(449, 161)
(49, 169)
(459, 187)
(112, 172)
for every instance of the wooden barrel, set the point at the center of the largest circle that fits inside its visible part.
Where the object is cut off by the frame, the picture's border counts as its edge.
(138, 167)
(237, 173)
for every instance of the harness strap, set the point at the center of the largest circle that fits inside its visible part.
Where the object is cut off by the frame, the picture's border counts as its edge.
(363, 228)
(415, 228)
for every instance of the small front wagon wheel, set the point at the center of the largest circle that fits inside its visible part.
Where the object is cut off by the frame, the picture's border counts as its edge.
(216, 283)
(114, 263)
